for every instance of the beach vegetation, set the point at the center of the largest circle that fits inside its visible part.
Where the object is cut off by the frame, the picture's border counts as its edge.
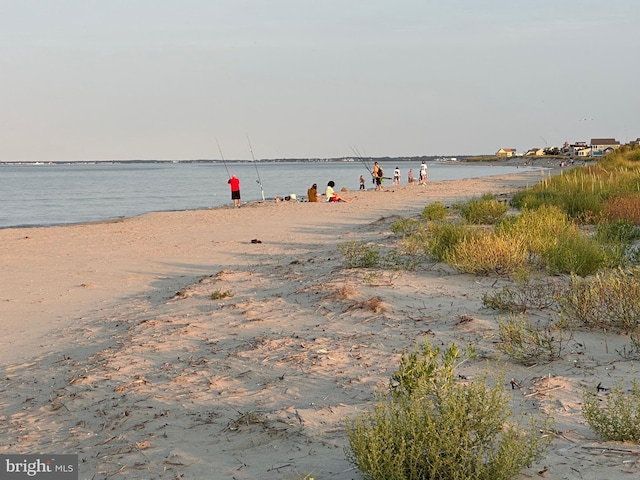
(431, 424)
(585, 193)
(245, 419)
(394, 260)
(632, 350)
(523, 294)
(443, 237)
(359, 254)
(608, 301)
(485, 210)
(488, 254)
(407, 226)
(435, 211)
(616, 417)
(625, 207)
(529, 344)
(219, 294)
(555, 243)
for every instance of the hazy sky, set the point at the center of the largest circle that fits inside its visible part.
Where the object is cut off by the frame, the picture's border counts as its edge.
(159, 79)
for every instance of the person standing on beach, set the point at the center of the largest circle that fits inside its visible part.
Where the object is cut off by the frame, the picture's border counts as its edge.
(396, 176)
(235, 190)
(410, 179)
(362, 183)
(424, 173)
(377, 176)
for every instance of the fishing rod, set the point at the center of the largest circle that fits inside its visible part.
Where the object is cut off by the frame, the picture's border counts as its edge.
(366, 165)
(222, 156)
(256, 167)
(361, 158)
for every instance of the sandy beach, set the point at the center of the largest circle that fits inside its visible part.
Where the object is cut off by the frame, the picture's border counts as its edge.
(113, 348)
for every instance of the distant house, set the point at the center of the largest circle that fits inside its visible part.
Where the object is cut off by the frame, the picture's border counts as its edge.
(583, 152)
(602, 146)
(506, 153)
(579, 149)
(534, 152)
(635, 142)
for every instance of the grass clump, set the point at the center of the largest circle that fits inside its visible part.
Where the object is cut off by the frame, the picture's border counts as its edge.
(623, 208)
(442, 237)
(555, 243)
(524, 294)
(530, 345)
(435, 211)
(616, 418)
(432, 426)
(609, 300)
(406, 226)
(359, 254)
(485, 210)
(219, 294)
(488, 254)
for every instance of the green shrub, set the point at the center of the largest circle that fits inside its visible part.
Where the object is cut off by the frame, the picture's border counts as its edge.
(482, 211)
(609, 300)
(488, 254)
(619, 231)
(555, 243)
(434, 211)
(538, 228)
(529, 345)
(432, 426)
(359, 254)
(572, 252)
(442, 237)
(616, 418)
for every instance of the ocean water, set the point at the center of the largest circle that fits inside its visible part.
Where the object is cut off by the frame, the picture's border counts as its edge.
(58, 194)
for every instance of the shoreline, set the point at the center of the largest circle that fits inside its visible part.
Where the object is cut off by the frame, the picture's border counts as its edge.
(113, 347)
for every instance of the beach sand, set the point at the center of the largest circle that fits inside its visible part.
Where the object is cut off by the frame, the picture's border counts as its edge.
(112, 346)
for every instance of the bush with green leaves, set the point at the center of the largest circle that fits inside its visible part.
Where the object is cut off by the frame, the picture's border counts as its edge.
(617, 416)
(485, 210)
(555, 243)
(435, 211)
(574, 253)
(359, 254)
(432, 425)
(609, 300)
(441, 237)
(617, 232)
(528, 344)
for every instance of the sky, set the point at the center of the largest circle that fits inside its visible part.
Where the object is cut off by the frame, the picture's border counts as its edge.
(172, 80)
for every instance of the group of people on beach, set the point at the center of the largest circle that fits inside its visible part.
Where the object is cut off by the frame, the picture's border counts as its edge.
(331, 195)
(378, 176)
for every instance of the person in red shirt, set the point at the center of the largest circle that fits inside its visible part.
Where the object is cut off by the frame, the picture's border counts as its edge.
(235, 190)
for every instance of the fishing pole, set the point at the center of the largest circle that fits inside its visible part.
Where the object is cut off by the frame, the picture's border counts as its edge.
(222, 156)
(366, 165)
(361, 158)
(256, 167)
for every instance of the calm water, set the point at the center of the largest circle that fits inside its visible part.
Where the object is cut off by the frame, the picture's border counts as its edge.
(55, 194)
